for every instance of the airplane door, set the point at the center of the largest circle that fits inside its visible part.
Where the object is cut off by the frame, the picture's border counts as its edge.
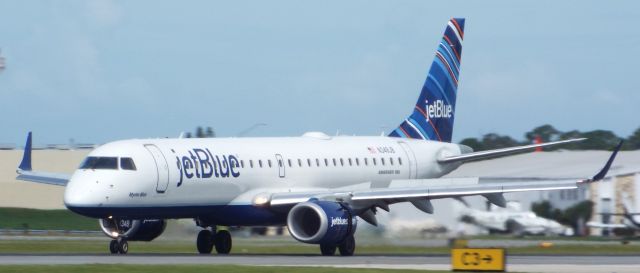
(280, 165)
(413, 167)
(162, 168)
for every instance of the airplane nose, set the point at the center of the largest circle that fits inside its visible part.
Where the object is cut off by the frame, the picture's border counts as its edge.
(81, 193)
(76, 196)
(80, 199)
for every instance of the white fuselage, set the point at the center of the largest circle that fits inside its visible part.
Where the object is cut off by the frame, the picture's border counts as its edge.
(179, 178)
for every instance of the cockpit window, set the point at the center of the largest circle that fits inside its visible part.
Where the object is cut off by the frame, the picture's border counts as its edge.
(103, 163)
(126, 163)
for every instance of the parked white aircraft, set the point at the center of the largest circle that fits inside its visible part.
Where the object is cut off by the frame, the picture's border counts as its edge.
(513, 220)
(314, 184)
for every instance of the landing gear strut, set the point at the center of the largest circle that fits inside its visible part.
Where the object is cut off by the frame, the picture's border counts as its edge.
(119, 246)
(346, 248)
(207, 240)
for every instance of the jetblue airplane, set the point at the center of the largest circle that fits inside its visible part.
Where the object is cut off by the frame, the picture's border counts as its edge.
(316, 185)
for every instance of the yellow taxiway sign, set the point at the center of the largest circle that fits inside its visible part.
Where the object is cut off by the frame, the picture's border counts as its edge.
(478, 259)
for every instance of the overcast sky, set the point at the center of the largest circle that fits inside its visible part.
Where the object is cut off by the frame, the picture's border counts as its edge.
(97, 71)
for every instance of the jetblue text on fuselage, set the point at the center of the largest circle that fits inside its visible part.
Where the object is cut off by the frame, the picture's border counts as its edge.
(201, 163)
(438, 109)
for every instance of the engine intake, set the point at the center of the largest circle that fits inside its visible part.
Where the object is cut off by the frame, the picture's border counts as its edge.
(321, 222)
(133, 230)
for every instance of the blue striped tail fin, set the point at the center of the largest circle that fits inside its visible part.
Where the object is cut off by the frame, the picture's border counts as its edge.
(432, 117)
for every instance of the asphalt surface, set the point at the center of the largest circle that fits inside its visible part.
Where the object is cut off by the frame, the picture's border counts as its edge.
(519, 263)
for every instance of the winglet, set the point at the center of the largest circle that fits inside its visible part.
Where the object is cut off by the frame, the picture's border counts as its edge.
(25, 165)
(605, 169)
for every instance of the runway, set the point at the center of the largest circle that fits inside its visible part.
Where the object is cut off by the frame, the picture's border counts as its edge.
(519, 263)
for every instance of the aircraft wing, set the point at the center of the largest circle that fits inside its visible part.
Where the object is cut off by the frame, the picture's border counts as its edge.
(26, 173)
(420, 191)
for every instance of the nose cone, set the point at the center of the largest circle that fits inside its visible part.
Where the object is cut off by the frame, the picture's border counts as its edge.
(76, 195)
(80, 197)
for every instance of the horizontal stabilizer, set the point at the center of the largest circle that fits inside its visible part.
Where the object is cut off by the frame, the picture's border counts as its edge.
(482, 155)
(57, 179)
(26, 173)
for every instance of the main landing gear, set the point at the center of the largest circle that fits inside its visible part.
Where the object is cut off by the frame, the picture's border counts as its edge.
(119, 246)
(207, 239)
(346, 248)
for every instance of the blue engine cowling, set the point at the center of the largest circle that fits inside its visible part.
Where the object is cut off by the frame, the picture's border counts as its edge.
(133, 230)
(321, 222)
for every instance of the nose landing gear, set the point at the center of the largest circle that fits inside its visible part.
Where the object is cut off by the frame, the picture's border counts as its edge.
(207, 239)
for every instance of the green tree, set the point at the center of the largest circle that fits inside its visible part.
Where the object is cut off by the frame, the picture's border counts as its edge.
(582, 210)
(599, 140)
(210, 133)
(474, 143)
(545, 132)
(199, 132)
(495, 141)
(543, 209)
(569, 216)
(633, 141)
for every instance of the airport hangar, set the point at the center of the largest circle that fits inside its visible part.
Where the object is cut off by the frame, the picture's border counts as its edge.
(624, 176)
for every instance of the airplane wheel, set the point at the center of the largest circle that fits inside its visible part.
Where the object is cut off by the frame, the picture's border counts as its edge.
(327, 249)
(348, 247)
(205, 242)
(113, 247)
(223, 242)
(123, 246)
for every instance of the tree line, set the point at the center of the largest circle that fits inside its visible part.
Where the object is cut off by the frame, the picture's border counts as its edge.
(201, 133)
(596, 139)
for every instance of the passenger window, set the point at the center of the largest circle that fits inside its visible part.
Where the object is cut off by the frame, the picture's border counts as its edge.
(357, 162)
(334, 162)
(260, 163)
(375, 162)
(289, 160)
(269, 162)
(350, 162)
(391, 160)
(126, 163)
(280, 163)
(341, 162)
(399, 161)
(309, 162)
(382, 161)
(317, 162)
(299, 162)
(366, 161)
(242, 164)
(251, 163)
(326, 162)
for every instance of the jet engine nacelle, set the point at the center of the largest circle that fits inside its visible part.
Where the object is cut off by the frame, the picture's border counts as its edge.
(321, 222)
(133, 230)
